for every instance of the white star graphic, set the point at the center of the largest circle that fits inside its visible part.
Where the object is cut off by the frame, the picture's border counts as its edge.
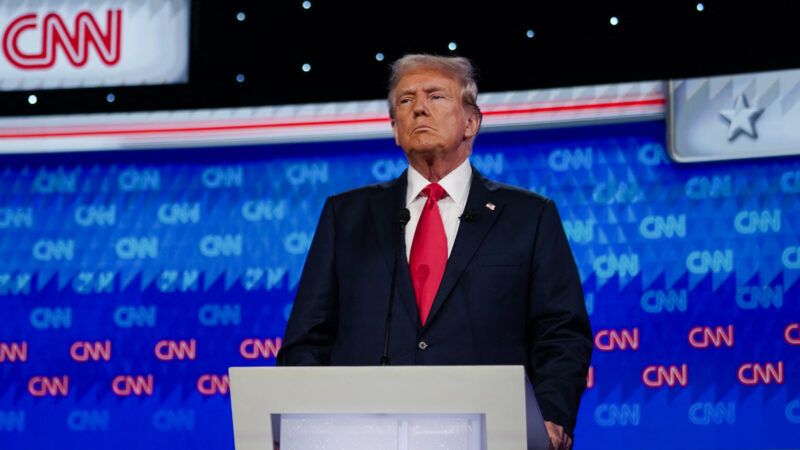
(741, 119)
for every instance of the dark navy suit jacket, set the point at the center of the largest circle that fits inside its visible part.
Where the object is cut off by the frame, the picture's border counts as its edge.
(510, 293)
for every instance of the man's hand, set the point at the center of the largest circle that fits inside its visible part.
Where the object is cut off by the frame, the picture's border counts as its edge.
(558, 439)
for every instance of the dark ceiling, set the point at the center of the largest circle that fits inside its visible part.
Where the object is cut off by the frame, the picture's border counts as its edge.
(574, 43)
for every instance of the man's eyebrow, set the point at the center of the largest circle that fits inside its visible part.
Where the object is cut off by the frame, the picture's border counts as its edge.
(428, 89)
(434, 88)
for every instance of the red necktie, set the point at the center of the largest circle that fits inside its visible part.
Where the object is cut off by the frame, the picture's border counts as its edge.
(428, 251)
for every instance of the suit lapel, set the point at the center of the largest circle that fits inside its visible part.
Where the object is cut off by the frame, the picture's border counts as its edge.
(469, 238)
(385, 206)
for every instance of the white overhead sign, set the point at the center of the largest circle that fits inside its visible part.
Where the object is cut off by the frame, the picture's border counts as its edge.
(544, 108)
(57, 44)
(752, 115)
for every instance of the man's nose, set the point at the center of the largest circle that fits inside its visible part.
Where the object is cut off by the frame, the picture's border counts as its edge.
(421, 106)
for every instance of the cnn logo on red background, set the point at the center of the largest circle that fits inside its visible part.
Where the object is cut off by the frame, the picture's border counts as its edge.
(32, 41)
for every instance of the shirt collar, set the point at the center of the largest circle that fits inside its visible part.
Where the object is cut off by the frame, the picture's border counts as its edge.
(455, 183)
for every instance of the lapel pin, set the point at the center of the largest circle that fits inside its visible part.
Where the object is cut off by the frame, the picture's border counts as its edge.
(490, 206)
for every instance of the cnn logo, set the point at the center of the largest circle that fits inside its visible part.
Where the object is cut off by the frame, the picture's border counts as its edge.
(31, 42)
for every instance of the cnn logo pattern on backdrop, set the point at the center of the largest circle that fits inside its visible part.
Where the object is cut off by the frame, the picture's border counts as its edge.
(156, 277)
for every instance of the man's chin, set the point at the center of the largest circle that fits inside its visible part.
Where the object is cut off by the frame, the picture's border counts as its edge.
(423, 154)
(425, 147)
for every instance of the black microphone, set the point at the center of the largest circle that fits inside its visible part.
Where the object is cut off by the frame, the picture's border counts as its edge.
(403, 216)
(469, 215)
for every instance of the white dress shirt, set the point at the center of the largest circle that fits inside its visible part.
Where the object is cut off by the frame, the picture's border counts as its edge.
(456, 184)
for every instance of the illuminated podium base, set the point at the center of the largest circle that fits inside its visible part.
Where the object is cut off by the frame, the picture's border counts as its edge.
(374, 408)
(382, 431)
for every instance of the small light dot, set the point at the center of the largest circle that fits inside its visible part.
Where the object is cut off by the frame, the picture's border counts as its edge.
(32, 99)
(240, 16)
(700, 7)
(240, 78)
(110, 98)
(614, 20)
(530, 34)
(452, 46)
(379, 56)
(306, 5)
(306, 67)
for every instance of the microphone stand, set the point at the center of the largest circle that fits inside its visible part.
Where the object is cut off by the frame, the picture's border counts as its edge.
(403, 216)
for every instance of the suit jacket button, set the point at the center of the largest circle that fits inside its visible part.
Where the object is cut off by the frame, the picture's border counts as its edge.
(422, 345)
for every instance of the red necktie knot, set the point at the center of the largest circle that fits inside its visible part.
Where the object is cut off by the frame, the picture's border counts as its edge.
(434, 192)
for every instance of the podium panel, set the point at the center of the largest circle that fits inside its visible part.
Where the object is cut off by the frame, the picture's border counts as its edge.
(381, 431)
(403, 407)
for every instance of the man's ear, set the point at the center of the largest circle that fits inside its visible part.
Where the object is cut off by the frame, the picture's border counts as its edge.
(473, 125)
(394, 133)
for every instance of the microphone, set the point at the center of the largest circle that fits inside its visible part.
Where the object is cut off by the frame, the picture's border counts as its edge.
(469, 215)
(403, 216)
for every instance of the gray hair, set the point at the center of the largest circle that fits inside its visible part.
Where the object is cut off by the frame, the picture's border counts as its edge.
(459, 68)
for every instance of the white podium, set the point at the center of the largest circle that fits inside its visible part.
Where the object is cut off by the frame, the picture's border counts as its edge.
(375, 408)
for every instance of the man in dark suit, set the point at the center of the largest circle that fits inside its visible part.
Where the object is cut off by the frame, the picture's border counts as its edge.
(484, 273)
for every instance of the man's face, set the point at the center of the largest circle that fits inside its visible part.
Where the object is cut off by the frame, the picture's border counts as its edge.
(430, 120)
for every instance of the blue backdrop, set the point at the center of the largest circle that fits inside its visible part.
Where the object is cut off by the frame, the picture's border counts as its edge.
(131, 281)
